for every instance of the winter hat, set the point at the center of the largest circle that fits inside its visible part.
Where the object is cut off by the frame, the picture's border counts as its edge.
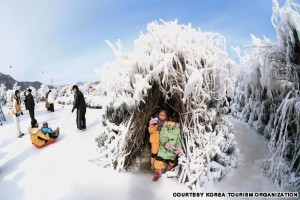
(29, 90)
(45, 124)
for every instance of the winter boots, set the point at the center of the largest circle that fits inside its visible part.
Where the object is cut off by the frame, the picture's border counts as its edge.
(157, 174)
(169, 167)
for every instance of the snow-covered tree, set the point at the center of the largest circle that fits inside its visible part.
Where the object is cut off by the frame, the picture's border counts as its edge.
(2, 92)
(42, 92)
(180, 67)
(16, 86)
(267, 94)
(10, 93)
(64, 95)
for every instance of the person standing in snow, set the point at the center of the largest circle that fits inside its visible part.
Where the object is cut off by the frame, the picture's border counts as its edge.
(46, 101)
(80, 105)
(154, 128)
(29, 104)
(170, 146)
(51, 101)
(25, 95)
(16, 112)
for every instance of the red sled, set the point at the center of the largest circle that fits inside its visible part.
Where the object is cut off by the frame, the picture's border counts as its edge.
(45, 144)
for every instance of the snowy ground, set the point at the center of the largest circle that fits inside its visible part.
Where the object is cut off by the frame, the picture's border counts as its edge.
(62, 170)
(247, 177)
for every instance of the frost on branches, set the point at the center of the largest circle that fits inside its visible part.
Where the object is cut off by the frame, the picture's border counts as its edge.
(2, 93)
(267, 95)
(186, 69)
(91, 91)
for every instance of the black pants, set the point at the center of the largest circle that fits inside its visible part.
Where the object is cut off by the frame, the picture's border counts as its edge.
(51, 108)
(31, 113)
(172, 162)
(80, 120)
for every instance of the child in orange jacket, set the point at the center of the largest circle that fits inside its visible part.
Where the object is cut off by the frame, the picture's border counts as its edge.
(155, 125)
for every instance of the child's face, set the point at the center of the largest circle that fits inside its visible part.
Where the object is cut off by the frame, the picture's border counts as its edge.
(162, 115)
(171, 124)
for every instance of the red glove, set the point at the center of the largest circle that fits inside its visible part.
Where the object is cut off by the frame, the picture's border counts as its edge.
(169, 147)
(178, 150)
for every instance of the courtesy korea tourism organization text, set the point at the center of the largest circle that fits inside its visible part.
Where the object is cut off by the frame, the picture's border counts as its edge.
(257, 195)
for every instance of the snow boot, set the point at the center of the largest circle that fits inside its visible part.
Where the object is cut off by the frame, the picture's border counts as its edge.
(170, 166)
(157, 174)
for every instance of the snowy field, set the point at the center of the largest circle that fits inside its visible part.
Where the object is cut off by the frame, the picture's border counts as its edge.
(62, 170)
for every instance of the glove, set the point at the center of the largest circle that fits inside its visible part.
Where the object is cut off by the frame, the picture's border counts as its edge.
(169, 147)
(153, 121)
(73, 110)
(177, 150)
(21, 113)
(17, 115)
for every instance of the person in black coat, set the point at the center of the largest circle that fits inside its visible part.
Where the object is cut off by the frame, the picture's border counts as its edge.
(80, 105)
(29, 104)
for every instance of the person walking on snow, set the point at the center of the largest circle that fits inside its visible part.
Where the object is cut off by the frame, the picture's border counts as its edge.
(29, 104)
(16, 112)
(80, 105)
(51, 101)
(170, 146)
(154, 128)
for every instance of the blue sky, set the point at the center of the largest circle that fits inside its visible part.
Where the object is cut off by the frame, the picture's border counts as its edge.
(65, 39)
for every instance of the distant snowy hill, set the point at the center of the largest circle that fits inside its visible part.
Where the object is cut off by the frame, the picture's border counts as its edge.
(9, 82)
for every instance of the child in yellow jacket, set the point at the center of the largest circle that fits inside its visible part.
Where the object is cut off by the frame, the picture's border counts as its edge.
(154, 128)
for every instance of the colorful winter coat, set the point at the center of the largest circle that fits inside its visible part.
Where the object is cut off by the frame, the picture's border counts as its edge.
(38, 138)
(154, 131)
(49, 131)
(172, 136)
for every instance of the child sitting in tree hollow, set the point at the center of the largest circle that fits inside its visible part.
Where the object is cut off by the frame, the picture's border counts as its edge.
(170, 146)
(154, 128)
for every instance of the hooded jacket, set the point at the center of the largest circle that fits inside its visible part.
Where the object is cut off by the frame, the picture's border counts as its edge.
(171, 136)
